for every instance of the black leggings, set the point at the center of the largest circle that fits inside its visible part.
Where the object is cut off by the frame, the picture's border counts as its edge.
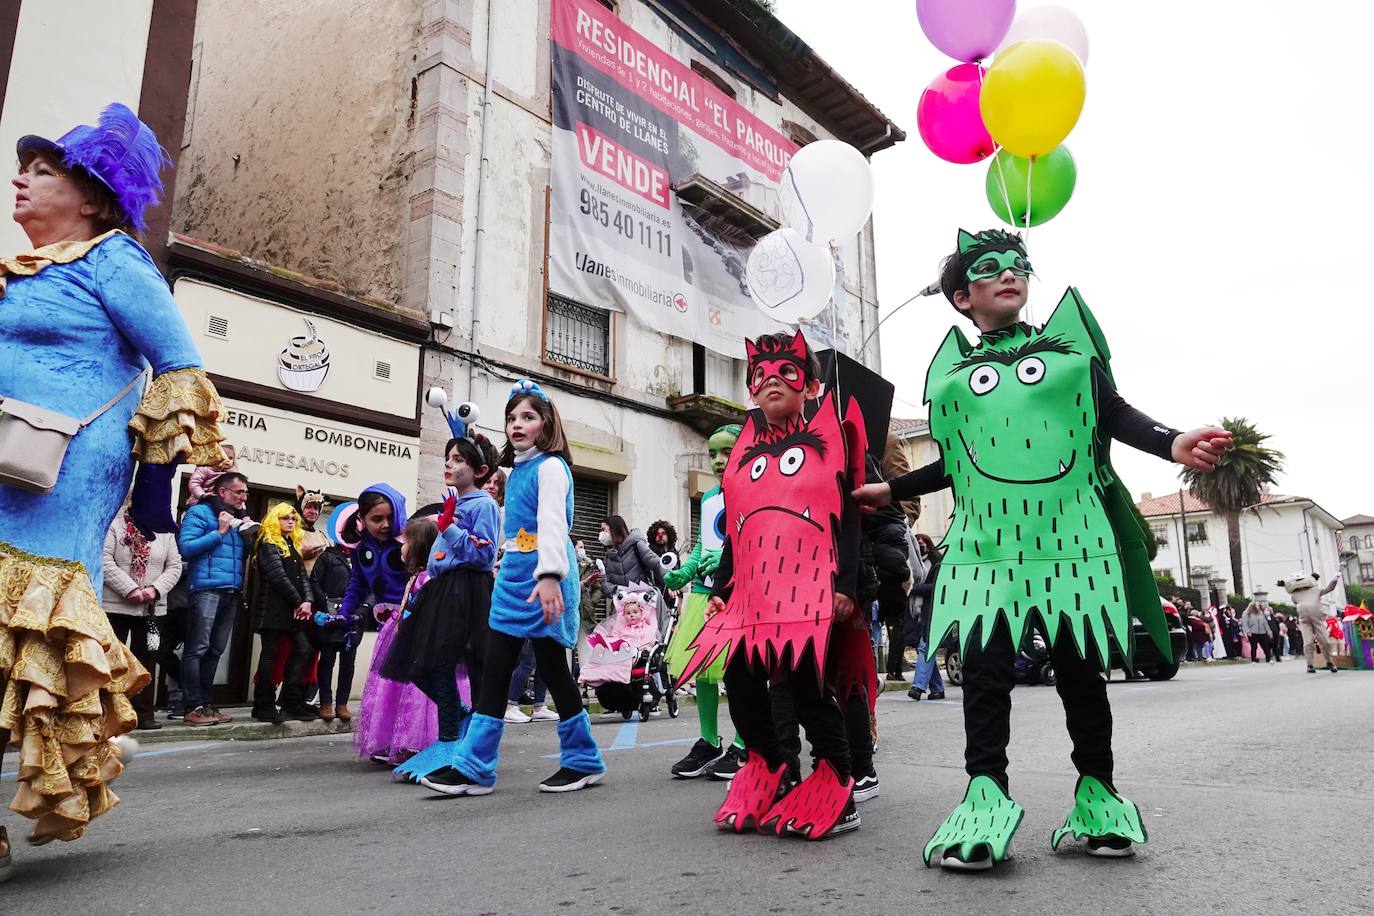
(441, 686)
(503, 651)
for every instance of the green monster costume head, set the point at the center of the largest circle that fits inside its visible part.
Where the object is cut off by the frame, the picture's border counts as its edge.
(720, 444)
(1038, 525)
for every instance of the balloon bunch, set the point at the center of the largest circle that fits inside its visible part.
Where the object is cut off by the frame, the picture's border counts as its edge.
(826, 196)
(1025, 102)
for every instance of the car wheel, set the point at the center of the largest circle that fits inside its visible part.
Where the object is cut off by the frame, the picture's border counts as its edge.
(1163, 673)
(954, 668)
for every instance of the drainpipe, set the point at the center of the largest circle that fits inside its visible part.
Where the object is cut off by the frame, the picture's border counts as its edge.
(483, 171)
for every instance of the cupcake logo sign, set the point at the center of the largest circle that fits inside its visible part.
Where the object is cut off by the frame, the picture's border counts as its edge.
(304, 363)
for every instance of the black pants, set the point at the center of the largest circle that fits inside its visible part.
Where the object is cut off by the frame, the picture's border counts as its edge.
(502, 652)
(1261, 642)
(896, 657)
(328, 655)
(857, 730)
(133, 632)
(293, 686)
(989, 675)
(441, 687)
(812, 704)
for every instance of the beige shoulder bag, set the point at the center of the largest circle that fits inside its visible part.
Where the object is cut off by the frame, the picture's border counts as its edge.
(34, 440)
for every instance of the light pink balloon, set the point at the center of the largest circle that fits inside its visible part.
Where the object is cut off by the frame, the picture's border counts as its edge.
(1051, 21)
(948, 116)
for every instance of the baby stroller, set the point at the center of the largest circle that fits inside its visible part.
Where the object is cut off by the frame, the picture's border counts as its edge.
(625, 660)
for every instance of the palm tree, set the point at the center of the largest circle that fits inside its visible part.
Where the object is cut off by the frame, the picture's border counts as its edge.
(1247, 471)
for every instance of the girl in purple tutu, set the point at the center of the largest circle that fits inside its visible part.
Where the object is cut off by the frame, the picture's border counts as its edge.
(394, 720)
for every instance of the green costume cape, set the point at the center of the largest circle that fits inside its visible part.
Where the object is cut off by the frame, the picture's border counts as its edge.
(1041, 524)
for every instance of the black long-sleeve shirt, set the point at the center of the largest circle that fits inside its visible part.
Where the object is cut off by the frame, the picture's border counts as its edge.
(1115, 418)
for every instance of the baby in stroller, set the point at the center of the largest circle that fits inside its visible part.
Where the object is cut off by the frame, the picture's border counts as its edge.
(625, 652)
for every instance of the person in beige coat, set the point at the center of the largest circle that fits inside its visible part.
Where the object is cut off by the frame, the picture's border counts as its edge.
(140, 569)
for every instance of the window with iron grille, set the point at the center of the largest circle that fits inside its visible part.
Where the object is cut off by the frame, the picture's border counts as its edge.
(1161, 533)
(577, 336)
(694, 522)
(1197, 532)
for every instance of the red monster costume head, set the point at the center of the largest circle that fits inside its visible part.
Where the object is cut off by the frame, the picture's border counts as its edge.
(784, 493)
(769, 357)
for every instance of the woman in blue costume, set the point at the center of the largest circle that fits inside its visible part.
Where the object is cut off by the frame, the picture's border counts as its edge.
(535, 598)
(82, 317)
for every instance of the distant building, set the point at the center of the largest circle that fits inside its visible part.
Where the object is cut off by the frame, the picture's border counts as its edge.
(920, 449)
(1357, 549)
(1280, 536)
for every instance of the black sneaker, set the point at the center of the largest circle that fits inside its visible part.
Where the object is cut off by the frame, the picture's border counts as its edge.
(848, 821)
(567, 780)
(268, 714)
(452, 782)
(1110, 847)
(936, 695)
(980, 859)
(915, 694)
(1310, 670)
(300, 713)
(866, 786)
(1331, 666)
(730, 763)
(698, 759)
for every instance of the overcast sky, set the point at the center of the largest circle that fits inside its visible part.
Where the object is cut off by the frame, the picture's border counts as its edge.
(1221, 175)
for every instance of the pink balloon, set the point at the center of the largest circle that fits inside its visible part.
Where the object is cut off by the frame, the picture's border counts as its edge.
(948, 116)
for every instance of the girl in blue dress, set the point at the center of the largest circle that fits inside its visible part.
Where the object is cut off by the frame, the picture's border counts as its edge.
(536, 598)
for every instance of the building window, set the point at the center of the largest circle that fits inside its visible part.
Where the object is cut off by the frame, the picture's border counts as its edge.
(1197, 532)
(612, 5)
(1354, 542)
(1367, 572)
(1369, 541)
(712, 77)
(797, 133)
(577, 337)
(1161, 533)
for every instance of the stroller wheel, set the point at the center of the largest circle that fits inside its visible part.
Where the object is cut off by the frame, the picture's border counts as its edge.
(644, 715)
(627, 713)
(672, 706)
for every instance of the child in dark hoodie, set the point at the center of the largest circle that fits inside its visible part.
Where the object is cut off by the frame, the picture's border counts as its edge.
(394, 720)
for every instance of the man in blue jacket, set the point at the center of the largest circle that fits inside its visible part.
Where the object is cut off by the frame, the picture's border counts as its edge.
(215, 540)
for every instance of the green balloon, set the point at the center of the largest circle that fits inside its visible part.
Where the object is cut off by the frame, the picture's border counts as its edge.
(1052, 178)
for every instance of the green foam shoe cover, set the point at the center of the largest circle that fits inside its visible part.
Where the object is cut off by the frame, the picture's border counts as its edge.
(986, 816)
(1099, 811)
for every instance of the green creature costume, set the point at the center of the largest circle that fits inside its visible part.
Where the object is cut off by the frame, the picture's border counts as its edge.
(1042, 534)
(697, 569)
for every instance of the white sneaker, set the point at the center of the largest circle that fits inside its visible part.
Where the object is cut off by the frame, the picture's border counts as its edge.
(542, 714)
(516, 717)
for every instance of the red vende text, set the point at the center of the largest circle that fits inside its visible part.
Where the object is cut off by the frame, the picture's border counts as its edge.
(604, 155)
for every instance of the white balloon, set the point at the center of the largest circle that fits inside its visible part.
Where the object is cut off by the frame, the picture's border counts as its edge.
(1051, 21)
(436, 397)
(827, 192)
(790, 279)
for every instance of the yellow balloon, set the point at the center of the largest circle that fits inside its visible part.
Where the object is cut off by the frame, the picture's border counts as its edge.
(1032, 96)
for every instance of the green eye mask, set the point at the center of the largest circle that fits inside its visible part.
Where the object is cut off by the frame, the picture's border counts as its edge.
(992, 264)
(987, 254)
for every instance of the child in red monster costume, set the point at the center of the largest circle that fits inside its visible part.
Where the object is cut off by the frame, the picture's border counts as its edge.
(787, 574)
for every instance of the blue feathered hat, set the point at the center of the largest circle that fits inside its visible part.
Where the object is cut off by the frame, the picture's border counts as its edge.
(120, 152)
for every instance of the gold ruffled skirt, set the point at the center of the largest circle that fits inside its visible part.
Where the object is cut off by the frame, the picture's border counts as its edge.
(65, 683)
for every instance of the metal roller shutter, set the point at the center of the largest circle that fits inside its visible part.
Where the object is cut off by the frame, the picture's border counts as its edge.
(591, 505)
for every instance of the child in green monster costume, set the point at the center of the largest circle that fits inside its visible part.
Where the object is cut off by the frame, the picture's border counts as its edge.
(708, 755)
(1042, 529)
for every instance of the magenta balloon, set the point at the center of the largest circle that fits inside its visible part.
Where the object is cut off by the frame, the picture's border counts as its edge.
(966, 30)
(949, 119)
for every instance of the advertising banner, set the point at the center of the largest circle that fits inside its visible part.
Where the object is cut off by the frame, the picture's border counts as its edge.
(631, 122)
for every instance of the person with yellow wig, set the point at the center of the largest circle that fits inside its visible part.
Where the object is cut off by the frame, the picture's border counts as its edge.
(285, 601)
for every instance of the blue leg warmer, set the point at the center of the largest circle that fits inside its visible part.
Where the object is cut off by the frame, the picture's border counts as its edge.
(480, 748)
(579, 751)
(435, 757)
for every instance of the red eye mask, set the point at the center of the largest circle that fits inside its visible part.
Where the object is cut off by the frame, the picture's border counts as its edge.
(787, 362)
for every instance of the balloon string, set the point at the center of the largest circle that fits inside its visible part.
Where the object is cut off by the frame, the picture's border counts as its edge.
(1030, 166)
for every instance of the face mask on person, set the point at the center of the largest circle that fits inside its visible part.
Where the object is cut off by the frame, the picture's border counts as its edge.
(605, 538)
(581, 552)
